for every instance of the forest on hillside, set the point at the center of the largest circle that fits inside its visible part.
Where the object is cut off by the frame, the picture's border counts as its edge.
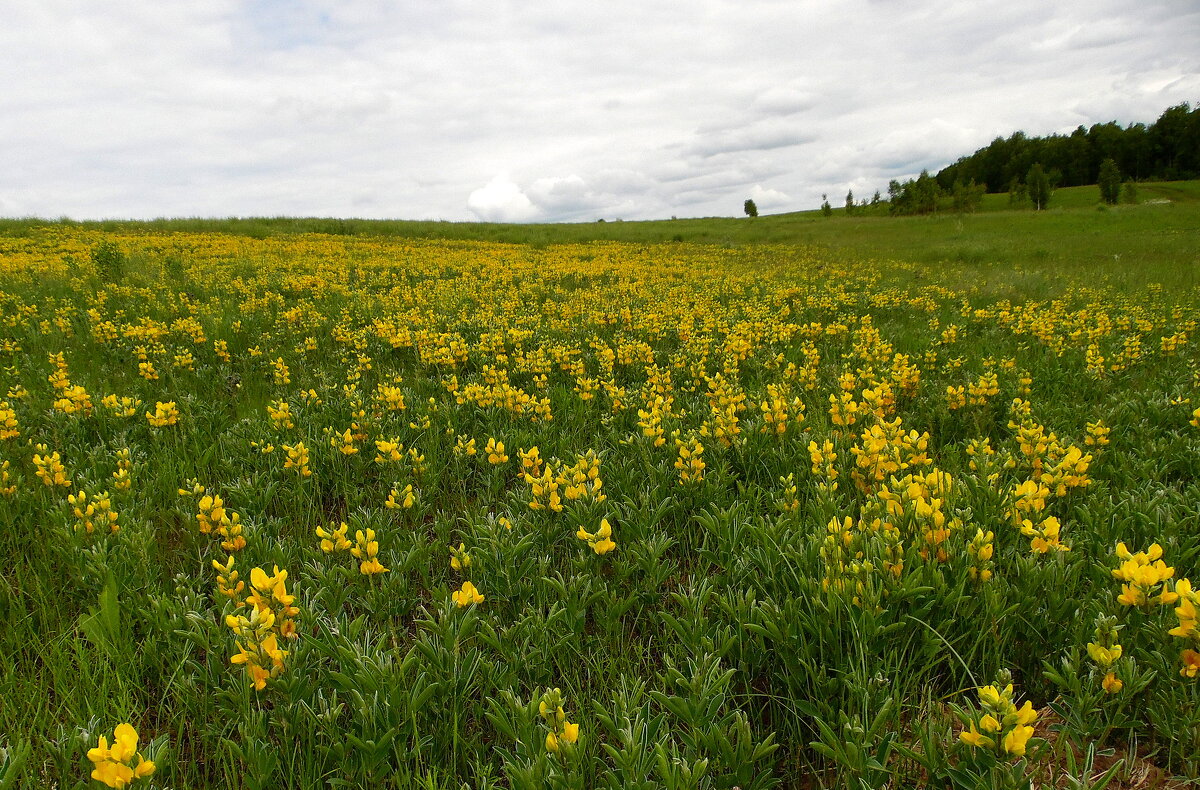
(1166, 150)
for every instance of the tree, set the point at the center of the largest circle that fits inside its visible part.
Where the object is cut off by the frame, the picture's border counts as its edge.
(1109, 182)
(1038, 184)
(966, 197)
(1016, 192)
(896, 197)
(850, 205)
(826, 209)
(925, 193)
(750, 209)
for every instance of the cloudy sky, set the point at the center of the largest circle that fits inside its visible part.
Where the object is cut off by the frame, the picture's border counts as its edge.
(552, 110)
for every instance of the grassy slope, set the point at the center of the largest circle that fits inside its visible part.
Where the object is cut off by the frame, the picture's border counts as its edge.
(1159, 238)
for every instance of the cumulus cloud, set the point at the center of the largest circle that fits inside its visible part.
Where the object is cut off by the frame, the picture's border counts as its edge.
(381, 109)
(501, 201)
(768, 198)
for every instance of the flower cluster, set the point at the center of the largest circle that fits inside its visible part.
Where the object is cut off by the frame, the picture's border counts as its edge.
(495, 452)
(165, 415)
(297, 458)
(366, 551)
(466, 595)
(690, 462)
(1186, 613)
(91, 512)
(272, 611)
(601, 541)
(1144, 576)
(113, 765)
(999, 725)
(50, 469)
(561, 735)
(215, 519)
(334, 540)
(1105, 651)
(8, 422)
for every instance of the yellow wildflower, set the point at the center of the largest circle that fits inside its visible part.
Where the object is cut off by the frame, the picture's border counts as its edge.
(165, 414)
(366, 550)
(112, 765)
(601, 542)
(467, 595)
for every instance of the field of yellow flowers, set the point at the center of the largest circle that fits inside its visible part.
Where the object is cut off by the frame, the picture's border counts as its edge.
(318, 511)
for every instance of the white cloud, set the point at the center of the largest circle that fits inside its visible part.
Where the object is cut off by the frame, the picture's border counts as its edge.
(501, 201)
(382, 109)
(767, 198)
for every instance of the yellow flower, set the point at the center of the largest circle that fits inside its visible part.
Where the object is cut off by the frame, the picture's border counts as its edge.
(1009, 728)
(1191, 663)
(972, 737)
(398, 498)
(1016, 740)
(165, 414)
(1187, 609)
(1112, 684)
(112, 774)
(990, 695)
(112, 765)
(605, 543)
(335, 540)
(459, 559)
(601, 542)
(297, 458)
(366, 549)
(1104, 656)
(372, 567)
(1026, 715)
(1143, 574)
(467, 595)
(495, 452)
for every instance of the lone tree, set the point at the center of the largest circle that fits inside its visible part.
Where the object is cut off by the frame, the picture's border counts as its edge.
(1109, 182)
(966, 197)
(1038, 184)
(850, 205)
(826, 209)
(750, 209)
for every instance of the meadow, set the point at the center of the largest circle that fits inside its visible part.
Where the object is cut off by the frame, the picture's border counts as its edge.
(847, 502)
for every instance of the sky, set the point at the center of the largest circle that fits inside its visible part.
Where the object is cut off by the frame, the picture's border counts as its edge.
(548, 110)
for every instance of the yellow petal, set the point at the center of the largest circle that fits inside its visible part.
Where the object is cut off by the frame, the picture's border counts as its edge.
(144, 767)
(100, 753)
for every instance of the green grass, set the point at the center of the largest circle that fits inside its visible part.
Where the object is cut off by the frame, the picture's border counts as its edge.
(709, 639)
(1075, 232)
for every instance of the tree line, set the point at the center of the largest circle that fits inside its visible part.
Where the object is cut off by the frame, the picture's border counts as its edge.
(1030, 168)
(1166, 150)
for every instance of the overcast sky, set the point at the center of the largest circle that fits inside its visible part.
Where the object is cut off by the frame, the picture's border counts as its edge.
(550, 110)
